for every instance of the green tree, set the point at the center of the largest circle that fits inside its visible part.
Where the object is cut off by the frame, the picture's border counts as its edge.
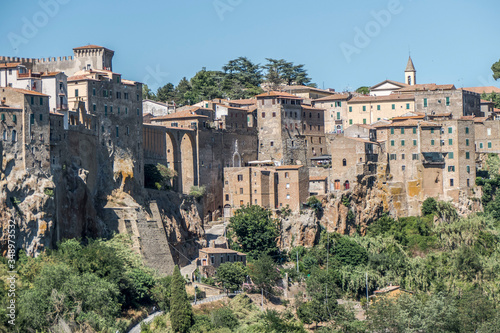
(493, 97)
(183, 93)
(363, 90)
(224, 317)
(264, 274)
(166, 94)
(256, 232)
(322, 290)
(429, 206)
(445, 212)
(243, 71)
(231, 275)
(158, 176)
(181, 313)
(161, 293)
(496, 70)
(348, 252)
(206, 85)
(280, 71)
(148, 93)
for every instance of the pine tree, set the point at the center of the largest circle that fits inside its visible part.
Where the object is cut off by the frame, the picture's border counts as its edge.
(181, 313)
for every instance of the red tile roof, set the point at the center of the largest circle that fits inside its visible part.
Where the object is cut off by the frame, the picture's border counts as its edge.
(278, 94)
(392, 97)
(27, 92)
(243, 101)
(190, 113)
(335, 97)
(427, 87)
(480, 90)
(10, 65)
(308, 107)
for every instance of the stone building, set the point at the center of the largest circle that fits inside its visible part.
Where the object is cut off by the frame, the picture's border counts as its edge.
(369, 109)
(457, 102)
(156, 108)
(267, 186)
(335, 107)
(24, 118)
(313, 131)
(428, 159)
(487, 135)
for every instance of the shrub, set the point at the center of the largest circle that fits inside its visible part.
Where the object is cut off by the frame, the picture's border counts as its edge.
(197, 191)
(429, 206)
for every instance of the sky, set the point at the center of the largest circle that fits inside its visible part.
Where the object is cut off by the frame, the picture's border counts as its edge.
(343, 44)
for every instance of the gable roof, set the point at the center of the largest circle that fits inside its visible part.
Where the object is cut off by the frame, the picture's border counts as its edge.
(27, 92)
(391, 97)
(480, 90)
(427, 87)
(278, 94)
(396, 83)
(190, 113)
(335, 97)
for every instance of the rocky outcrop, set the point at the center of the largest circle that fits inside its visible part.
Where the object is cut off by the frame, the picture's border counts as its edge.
(299, 229)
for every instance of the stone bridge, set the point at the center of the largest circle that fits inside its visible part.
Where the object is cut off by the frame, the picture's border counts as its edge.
(176, 148)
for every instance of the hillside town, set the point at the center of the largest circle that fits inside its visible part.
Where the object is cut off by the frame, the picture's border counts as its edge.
(82, 148)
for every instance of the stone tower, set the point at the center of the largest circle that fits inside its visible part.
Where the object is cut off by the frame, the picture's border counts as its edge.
(410, 73)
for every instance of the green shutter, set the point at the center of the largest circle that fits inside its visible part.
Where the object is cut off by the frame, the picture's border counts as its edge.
(350, 109)
(432, 130)
(425, 102)
(450, 155)
(414, 130)
(489, 144)
(402, 142)
(450, 130)
(392, 130)
(392, 142)
(393, 106)
(466, 130)
(350, 121)
(447, 101)
(14, 118)
(407, 106)
(414, 142)
(432, 142)
(364, 120)
(338, 115)
(466, 142)
(467, 156)
(378, 107)
(450, 141)
(364, 107)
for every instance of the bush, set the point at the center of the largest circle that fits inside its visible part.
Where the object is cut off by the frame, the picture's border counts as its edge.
(197, 191)
(429, 206)
(224, 317)
(348, 252)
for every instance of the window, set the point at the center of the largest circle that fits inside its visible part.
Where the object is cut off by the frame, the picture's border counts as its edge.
(450, 141)
(402, 130)
(32, 119)
(450, 155)
(393, 106)
(118, 95)
(450, 130)
(432, 130)
(288, 196)
(41, 119)
(76, 92)
(451, 168)
(466, 142)
(467, 155)
(287, 185)
(425, 102)
(392, 142)
(4, 135)
(489, 144)
(468, 182)
(126, 110)
(488, 131)
(94, 107)
(272, 143)
(392, 130)
(392, 157)
(403, 167)
(414, 142)
(466, 130)
(138, 97)
(105, 110)
(364, 107)
(378, 107)
(414, 130)
(481, 145)
(41, 100)
(350, 109)
(350, 121)
(468, 168)
(14, 135)
(407, 106)
(402, 156)
(104, 93)
(240, 178)
(263, 115)
(128, 132)
(117, 131)
(402, 142)
(14, 118)
(414, 157)
(338, 115)
(344, 162)
(241, 190)
(447, 101)
(138, 112)
(32, 100)
(227, 197)
(364, 120)
(3, 117)
(111, 108)
(432, 142)
(451, 182)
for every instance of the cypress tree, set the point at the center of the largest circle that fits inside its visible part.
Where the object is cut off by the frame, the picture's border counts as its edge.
(181, 313)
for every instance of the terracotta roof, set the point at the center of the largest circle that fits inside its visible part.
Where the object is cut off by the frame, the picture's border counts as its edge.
(480, 90)
(243, 101)
(366, 126)
(359, 139)
(220, 250)
(408, 117)
(391, 97)
(80, 78)
(479, 119)
(335, 97)
(427, 87)
(308, 107)
(182, 114)
(286, 167)
(10, 65)
(302, 87)
(251, 108)
(90, 46)
(409, 123)
(50, 73)
(277, 94)
(467, 117)
(231, 107)
(128, 82)
(483, 101)
(27, 92)
(496, 110)
(396, 83)
(316, 178)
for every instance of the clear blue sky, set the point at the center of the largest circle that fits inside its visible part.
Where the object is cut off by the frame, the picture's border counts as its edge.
(451, 41)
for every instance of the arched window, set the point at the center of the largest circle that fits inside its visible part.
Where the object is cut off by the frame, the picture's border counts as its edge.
(344, 162)
(409, 80)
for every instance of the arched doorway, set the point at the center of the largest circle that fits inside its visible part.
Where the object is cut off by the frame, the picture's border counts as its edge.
(173, 160)
(227, 211)
(236, 160)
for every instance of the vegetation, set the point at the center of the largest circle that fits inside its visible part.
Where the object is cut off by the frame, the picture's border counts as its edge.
(264, 274)
(158, 176)
(181, 314)
(88, 284)
(197, 191)
(363, 90)
(230, 275)
(254, 231)
(239, 78)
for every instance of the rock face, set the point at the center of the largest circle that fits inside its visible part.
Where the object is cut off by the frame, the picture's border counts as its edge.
(299, 229)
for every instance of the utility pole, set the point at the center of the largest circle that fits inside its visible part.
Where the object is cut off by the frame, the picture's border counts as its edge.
(366, 288)
(297, 261)
(262, 298)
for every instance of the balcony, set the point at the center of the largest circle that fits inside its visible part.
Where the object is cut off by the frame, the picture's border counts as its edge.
(433, 158)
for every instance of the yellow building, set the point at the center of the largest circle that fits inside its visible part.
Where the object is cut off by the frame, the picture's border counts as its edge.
(369, 109)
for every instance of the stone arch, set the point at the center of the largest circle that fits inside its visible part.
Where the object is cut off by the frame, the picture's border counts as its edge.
(236, 160)
(173, 160)
(188, 176)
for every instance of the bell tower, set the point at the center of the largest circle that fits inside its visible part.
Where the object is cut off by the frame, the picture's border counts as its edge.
(410, 73)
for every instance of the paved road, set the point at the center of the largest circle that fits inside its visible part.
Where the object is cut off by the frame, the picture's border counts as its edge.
(137, 328)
